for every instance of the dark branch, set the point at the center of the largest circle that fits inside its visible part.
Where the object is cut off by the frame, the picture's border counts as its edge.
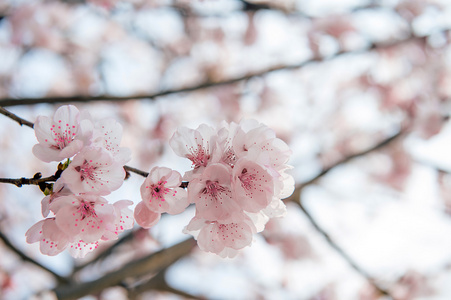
(101, 256)
(296, 198)
(28, 181)
(25, 257)
(158, 283)
(184, 184)
(343, 254)
(136, 171)
(351, 157)
(209, 84)
(147, 265)
(15, 118)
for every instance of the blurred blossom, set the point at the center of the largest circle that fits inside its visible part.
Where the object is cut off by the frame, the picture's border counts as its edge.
(332, 79)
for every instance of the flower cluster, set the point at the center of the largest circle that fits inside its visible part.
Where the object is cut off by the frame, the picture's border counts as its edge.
(161, 193)
(80, 216)
(237, 182)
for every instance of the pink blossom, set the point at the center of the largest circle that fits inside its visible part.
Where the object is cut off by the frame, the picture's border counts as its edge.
(251, 134)
(161, 191)
(80, 223)
(91, 218)
(219, 238)
(212, 194)
(86, 217)
(79, 249)
(226, 135)
(197, 145)
(253, 186)
(94, 170)
(238, 186)
(145, 217)
(52, 240)
(59, 189)
(108, 134)
(61, 137)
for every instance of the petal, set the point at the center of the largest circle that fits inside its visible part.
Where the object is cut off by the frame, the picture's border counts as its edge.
(68, 220)
(208, 239)
(34, 234)
(123, 155)
(253, 185)
(212, 194)
(70, 150)
(126, 214)
(67, 114)
(45, 206)
(176, 201)
(145, 217)
(80, 249)
(46, 154)
(42, 130)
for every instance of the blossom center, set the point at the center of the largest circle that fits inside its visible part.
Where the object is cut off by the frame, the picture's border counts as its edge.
(86, 209)
(62, 138)
(246, 179)
(86, 170)
(213, 188)
(229, 157)
(199, 157)
(158, 190)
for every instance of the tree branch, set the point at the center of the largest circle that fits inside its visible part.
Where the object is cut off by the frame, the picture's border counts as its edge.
(86, 98)
(28, 181)
(15, 118)
(25, 257)
(342, 253)
(158, 283)
(149, 264)
(124, 239)
(136, 171)
(296, 198)
(351, 157)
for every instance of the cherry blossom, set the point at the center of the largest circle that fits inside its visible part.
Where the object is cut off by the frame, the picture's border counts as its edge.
(161, 193)
(145, 217)
(62, 136)
(240, 174)
(86, 217)
(223, 239)
(52, 240)
(80, 223)
(108, 134)
(59, 189)
(94, 170)
(253, 185)
(212, 194)
(196, 145)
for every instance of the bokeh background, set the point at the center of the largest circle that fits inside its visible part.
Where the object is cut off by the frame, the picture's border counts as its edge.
(360, 90)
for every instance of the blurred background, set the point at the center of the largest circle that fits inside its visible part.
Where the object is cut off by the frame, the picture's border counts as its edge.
(360, 90)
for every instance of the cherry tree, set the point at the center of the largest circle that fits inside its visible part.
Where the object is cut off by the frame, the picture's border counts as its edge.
(225, 149)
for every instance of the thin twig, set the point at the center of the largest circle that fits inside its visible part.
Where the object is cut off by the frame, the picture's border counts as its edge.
(351, 157)
(137, 171)
(28, 181)
(296, 198)
(158, 283)
(124, 239)
(15, 118)
(25, 257)
(340, 251)
(150, 264)
(87, 98)
(183, 185)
